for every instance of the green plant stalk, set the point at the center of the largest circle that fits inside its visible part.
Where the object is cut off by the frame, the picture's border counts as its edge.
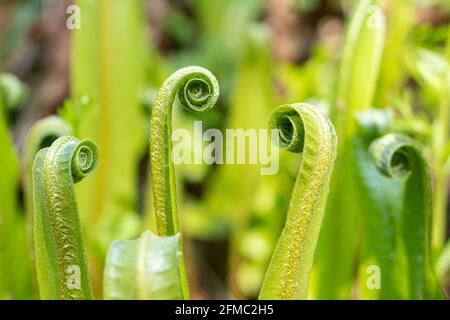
(144, 269)
(197, 90)
(14, 279)
(61, 261)
(397, 156)
(333, 271)
(41, 135)
(441, 138)
(302, 128)
(250, 108)
(8, 204)
(225, 207)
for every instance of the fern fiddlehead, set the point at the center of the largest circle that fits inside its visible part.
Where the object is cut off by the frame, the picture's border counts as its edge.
(61, 261)
(146, 268)
(399, 157)
(41, 135)
(197, 90)
(14, 282)
(302, 128)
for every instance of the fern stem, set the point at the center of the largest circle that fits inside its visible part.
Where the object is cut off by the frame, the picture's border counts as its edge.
(41, 135)
(197, 90)
(334, 271)
(302, 128)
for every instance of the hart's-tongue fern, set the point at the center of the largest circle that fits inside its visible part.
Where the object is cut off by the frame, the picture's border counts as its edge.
(61, 261)
(302, 128)
(399, 157)
(152, 267)
(41, 135)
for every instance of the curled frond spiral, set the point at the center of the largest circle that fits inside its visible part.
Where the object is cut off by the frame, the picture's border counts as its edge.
(197, 90)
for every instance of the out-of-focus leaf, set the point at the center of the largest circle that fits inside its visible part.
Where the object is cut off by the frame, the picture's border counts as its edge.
(429, 69)
(441, 137)
(111, 33)
(333, 271)
(249, 109)
(361, 60)
(447, 163)
(15, 280)
(144, 269)
(443, 264)
(381, 200)
(223, 25)
(374, 122)
(315, 78)
(24, 15)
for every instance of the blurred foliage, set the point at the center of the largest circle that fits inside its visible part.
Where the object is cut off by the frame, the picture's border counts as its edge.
(333, 271)
(13, 253)
(108, 66)
(373, 66)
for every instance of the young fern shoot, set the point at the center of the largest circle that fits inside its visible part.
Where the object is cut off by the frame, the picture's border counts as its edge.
(146, 268)
(61, 261)
(377, 274)
(302, 128)
(197, 90)
(397, 156)
(41, 135)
